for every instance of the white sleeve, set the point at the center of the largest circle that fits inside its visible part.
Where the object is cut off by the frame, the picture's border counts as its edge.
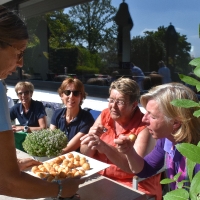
(5, 122)
(10, 102)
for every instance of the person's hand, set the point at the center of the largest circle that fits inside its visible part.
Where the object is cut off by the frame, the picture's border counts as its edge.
(91, 140)
(70, 186)
(98, 129)
(94, 130)
(26, 163)
(124, 144)
(16, 128)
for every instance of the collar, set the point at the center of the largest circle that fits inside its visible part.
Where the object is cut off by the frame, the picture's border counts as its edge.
(171, 150)
(64, 114)
(21, 108)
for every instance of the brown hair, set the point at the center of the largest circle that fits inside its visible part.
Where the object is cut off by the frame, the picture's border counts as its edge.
(12, 28)
(126, 86)
(78, 85)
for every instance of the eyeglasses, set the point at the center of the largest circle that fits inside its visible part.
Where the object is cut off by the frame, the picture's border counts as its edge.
(25, 93)
(117, 101)
(68, 92)
(20, 55)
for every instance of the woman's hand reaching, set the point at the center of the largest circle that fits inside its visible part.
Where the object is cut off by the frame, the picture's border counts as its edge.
(124, 143)
(92, 139)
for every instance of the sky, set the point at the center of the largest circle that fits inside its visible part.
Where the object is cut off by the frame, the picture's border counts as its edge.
(150, 14)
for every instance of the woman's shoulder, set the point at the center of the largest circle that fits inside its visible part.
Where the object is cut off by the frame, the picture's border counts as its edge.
(36, 102)
(59, 111)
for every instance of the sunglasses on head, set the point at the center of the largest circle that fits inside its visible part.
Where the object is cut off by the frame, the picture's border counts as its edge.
(68, 92)
(21, 93)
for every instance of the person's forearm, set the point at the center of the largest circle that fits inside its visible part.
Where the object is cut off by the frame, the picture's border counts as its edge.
(115, 157)
(84, 149)
(136, 163)
(24, 185)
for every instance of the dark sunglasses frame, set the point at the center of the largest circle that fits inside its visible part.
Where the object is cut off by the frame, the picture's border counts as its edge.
(75, 93)
(25, 93)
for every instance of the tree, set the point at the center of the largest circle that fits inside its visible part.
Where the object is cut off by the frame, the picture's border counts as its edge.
(146, 51)
(61, 29)
(94, 24)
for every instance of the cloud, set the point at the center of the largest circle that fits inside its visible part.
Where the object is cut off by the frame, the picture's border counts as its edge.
(147, 29)
(179, 29)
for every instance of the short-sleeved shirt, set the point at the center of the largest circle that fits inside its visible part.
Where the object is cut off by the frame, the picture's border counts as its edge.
(81, 123)
(165, 73)
(35, 112)
(5, 123)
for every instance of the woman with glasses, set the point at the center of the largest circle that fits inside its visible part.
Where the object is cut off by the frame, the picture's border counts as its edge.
(122, 117)
(73, 120)
(169, 125)
(13, 182)
(30, 114)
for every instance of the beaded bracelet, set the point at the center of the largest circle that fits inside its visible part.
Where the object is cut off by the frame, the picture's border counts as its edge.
(60, 190)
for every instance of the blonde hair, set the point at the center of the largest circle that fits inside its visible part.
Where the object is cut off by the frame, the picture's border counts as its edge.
(27, 85)
(126, 86)
(163, 95)
(78, 85)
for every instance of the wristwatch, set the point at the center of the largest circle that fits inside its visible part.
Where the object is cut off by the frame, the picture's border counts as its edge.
(25, 129)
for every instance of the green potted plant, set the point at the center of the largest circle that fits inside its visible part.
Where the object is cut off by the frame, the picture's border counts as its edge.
(45, 143)
(190, 151)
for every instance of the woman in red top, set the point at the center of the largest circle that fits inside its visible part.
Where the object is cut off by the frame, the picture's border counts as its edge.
(122, 116)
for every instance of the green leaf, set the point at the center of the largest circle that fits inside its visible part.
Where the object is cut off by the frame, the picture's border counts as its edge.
(196, 113)
(167, 181)
(198, 87)
(195, 62)
(184, 103)
(180, 184)
(190, 168)
(195, 186)
(177, 176)
(189, 80)
(179, 194)
(197, 70)
(190, 151)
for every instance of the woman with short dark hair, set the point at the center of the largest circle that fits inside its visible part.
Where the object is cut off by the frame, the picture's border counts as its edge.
(13, 182)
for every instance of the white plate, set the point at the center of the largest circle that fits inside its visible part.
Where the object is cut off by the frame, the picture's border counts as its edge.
(95, 165)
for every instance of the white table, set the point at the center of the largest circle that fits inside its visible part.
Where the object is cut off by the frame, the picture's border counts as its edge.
(97, 188)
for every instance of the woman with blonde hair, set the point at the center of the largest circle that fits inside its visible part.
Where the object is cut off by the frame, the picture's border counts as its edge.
(30, 113)
(169, 125)
(13, 182)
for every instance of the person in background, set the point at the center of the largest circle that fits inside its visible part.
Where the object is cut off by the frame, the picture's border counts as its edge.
(122, 117)
(169, 125)
(138, 75)
(113, 76)
(164, 71)
(73, 120)
(13, 182)
(10, 100)
(30, 114)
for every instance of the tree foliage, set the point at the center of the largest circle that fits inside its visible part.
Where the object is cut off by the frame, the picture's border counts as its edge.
(147, 50)
(61, 29)
(94, 24)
